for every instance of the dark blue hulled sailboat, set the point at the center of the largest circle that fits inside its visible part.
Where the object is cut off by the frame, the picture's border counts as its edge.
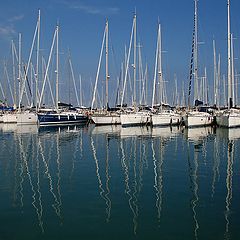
(62, 113)
(65, 117)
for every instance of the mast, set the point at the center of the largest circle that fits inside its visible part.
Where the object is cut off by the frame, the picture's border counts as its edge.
(195, 60)
(230, 103)
(107, 74)
(215, 74)
(19, 68)
(160, 78)
(205, 87)
(156, 66)
(219, 78)
(134, 60)
(57, 65)
(232, 72)
(127, 62)
(98, 70)
(81, 97)
(14, 76)
(37, 63)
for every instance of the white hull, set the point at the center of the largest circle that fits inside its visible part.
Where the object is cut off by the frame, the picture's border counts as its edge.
(9, 118)
(135, 119)
(26, 118)
(229, 118)
(106, 119)
(165, 119)
(197, 119)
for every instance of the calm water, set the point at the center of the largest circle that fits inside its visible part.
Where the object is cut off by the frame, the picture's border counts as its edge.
(119, 183)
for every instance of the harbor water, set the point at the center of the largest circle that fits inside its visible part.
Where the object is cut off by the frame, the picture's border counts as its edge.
(109, 182)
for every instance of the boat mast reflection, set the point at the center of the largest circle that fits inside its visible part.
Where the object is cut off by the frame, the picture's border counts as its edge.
(193, 171)
(103, 193)
(158, 178)
(230, 157)
(132, 198)
(25, 159)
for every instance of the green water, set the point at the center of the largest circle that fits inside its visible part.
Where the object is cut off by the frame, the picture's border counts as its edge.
(90, 182)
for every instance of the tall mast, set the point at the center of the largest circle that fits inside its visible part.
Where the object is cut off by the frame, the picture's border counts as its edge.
(107, 74)
(196, 92)
(127, 63)
(229, 60)
(156, 70)
(135, 58)
(81, 97)
(98, 70)
(215, 74)
(57, 63)
(232, 72)
(19, 67)
(37, 63)
(219, 79)
(160, 78)
(14, 75)
(193, 61)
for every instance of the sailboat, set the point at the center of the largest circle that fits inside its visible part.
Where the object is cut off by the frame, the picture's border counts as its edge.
(29, 116)
(104, 117)
(62, 114)
(194, 117)
(230, 117)
(134, 116)
(163, 117)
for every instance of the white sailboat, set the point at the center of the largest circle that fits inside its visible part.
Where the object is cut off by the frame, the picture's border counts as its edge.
(134, 117)
(104, 117)
(195, 118)
(26, 117)
(230, 117)
(163, 117)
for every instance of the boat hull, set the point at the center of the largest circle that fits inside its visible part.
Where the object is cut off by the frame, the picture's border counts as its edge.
(197, 119)
(27, 118)
(165, 119)
(9, 118)
(228, 119)
(61, 118)
(135, 119)
(106, 119)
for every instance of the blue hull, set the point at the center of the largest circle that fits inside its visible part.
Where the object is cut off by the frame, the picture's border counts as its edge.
(60, 119)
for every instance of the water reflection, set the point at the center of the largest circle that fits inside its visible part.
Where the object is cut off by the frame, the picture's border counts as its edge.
(230, 157)
(104, 193)
(133, 181)
(131, 191)
(37, 165)
(216, 165)
(158, 177)
(193, 175)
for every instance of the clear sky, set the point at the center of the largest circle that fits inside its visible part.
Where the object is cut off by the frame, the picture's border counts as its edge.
(82, 24)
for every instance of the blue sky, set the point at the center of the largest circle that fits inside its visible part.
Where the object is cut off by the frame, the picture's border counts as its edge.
(82, 24)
